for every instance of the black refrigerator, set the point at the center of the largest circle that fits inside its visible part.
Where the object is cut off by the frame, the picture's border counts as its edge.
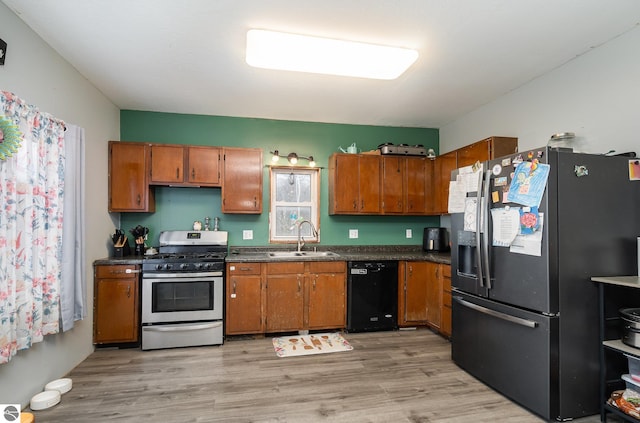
(525, 319)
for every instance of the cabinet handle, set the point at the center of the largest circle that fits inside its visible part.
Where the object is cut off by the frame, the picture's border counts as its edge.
(314, 282)
(131, 271)
(139, 199)
(410, 270)
(128, 291)
(245, 269)
(355, 205)
(177, 173)
(234, 288)
(193, 173)
(299, 285)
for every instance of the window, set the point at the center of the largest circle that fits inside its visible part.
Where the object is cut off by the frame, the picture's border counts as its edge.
(295, 196)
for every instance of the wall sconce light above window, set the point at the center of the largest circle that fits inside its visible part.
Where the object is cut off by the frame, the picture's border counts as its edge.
(292, 157)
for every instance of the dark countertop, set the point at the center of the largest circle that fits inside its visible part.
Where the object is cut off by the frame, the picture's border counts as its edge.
(345, 253)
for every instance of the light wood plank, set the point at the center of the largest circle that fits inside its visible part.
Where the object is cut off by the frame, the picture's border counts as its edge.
(402, 376)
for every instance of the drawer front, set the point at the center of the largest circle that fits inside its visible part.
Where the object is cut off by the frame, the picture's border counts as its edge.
(116, 271)
(244, 268)
(285, 267)
(446, 271)
(327, 267)
(446, 299)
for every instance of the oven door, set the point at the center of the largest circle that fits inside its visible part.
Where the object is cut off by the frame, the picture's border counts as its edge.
(181, 297)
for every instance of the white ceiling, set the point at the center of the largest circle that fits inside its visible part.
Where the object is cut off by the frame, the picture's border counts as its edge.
(188, 56)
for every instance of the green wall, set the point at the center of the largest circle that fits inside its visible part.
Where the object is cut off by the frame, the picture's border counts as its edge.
(177, 208)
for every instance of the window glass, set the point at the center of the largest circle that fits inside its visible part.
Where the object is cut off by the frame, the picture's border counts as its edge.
(295, 196)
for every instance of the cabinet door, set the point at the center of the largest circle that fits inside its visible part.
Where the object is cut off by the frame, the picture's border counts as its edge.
(433, 280)
(203, 165)
(393, 177)
(445, 319)
(369, 176)
(128, 186)
(444, 164)
(416, 184)
(242, 181)
(244, 304)
(327, 300)
(167, 164)
(414, 293)
(478, 151)
(115, 305)
(344, 191)
(285, 303)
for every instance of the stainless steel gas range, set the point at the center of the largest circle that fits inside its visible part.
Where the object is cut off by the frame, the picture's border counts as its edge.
(183, 290)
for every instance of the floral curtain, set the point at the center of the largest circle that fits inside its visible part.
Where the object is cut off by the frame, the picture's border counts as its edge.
(31, 207)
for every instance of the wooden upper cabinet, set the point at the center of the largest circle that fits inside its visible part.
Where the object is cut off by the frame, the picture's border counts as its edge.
(242, 180)
(403, 185)
(416, 185)
(393, 184)
(167, 164)
(487, 149)
(443, 166)
(128, 185)
(481, 151)
(185, 165)
(203, 165)
(354, 184)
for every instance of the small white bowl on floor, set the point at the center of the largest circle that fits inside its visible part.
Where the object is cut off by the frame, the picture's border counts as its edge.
(44, 400)
(61, 385)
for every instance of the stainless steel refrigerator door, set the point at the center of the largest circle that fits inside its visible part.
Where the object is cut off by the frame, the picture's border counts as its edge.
(519, 279)
(509, 349)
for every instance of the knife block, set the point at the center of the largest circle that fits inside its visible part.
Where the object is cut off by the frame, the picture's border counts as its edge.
(123, 251)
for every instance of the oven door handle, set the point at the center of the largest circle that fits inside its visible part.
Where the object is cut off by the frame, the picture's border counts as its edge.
(182, 328)
(182, 277)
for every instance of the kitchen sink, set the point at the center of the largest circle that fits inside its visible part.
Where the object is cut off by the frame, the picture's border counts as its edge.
(310, 254)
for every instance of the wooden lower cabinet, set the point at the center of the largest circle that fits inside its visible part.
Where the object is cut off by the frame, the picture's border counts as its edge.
(116, 304)
(285, 296)
(445, 326)
(421, 299)
(327, 304)
(243, 313)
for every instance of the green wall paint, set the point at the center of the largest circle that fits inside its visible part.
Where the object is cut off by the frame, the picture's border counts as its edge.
(177, 208)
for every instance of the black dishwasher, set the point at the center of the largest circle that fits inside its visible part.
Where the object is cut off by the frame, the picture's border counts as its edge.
(372, 296)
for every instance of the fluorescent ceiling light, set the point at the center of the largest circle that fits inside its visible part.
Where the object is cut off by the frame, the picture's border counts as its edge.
(301, 53)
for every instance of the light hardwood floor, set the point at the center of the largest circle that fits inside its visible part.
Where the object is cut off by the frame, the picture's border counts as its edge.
(403, 376)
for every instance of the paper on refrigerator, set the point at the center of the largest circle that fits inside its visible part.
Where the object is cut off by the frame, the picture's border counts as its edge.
(529, 244)
(466, 181)
(506, 225)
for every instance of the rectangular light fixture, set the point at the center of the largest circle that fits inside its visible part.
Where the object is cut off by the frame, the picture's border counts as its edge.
(302, 53)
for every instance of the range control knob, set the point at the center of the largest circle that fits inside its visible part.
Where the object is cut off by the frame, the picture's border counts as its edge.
(184, 266)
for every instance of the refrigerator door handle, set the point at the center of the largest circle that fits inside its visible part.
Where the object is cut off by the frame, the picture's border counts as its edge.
(478, 229)
(485, 227)
(499, 315)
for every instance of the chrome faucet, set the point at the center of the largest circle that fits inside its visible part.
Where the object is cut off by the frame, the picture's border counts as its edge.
(298, 224)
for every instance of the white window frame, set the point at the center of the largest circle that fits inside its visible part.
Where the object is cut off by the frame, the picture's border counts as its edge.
(314, 204)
